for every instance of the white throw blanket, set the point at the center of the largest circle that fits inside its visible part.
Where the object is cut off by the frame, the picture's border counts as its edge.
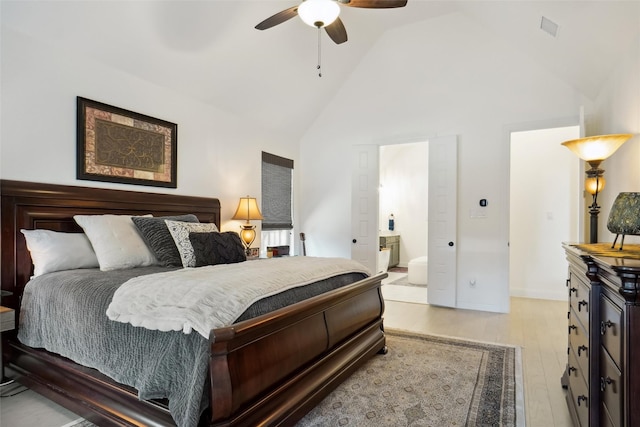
(206, 298)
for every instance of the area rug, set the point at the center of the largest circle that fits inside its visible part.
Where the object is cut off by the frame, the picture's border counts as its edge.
(404, 281)
(426, 380)
(429, 381)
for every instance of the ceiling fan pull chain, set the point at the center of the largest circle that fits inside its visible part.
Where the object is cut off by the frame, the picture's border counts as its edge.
(319, 52)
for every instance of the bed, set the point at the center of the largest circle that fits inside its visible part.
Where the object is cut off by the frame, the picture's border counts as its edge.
(323, 339)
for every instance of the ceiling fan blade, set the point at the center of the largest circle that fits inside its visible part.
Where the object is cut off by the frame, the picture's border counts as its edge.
(374, 4)
(278, 18)
(336, 31)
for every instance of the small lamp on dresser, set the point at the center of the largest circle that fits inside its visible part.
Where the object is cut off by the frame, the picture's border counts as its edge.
(593, 150)
(248, 210)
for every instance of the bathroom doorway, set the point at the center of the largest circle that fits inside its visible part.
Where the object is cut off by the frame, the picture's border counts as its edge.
(403, 193)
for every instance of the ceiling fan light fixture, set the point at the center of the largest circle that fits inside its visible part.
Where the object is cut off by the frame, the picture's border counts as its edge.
(318, 13)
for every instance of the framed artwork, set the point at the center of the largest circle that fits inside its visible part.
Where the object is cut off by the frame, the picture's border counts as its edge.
(253, 252)
(117, 145)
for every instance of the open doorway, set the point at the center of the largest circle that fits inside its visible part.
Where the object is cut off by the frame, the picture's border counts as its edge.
(544, 210)
(403, 218)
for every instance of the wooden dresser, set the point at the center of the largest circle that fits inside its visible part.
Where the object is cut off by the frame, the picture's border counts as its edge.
(603, 354)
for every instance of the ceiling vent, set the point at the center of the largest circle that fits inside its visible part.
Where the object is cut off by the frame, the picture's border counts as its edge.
(548, 26)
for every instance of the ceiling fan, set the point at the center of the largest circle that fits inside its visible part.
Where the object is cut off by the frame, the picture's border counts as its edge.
(324, 14)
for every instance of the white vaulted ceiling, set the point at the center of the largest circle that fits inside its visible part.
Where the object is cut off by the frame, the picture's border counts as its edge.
(210, 50)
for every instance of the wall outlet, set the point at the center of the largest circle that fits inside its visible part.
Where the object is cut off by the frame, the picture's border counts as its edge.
(477, 213)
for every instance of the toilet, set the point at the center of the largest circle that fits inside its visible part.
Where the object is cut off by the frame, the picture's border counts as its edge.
(418, 271)
(383, 260)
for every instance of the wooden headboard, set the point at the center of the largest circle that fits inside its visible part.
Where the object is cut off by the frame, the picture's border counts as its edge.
(31, 205)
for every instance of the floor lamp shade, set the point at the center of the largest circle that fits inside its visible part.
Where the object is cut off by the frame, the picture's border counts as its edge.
(594, 149)
(247, 210)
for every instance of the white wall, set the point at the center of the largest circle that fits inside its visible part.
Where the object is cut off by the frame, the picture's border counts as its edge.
(404, 191)
(474, 86)
(544, 203)
(218, 154)
(617, 110)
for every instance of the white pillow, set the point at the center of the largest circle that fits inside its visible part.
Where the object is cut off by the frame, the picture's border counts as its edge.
(54, 251)
(180, 233)
(116, 241)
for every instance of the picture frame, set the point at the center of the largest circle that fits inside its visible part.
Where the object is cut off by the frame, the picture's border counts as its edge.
(121, 146)
(253, 252)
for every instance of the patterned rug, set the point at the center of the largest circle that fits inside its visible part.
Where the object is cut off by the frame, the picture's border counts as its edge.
(427, 380)
(80, 423)
(404, 281)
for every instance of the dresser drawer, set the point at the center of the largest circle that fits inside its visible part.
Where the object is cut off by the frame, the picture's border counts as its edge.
(579, 300)
(611, 328)
(611, 390)
(605, 421)
(578, 395)
(573, 368)
(579, 342)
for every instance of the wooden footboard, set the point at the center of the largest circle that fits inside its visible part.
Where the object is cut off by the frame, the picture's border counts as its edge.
(275, 368)
(269, 370)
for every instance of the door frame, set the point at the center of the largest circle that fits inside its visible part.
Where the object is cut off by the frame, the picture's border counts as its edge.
(370, 259)
(524, 127)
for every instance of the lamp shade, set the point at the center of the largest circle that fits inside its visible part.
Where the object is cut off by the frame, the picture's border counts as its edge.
(594, 184)
(318, 13)
(594, 149)
(247, 209)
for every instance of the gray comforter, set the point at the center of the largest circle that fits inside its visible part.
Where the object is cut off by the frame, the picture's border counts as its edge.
(65, 313)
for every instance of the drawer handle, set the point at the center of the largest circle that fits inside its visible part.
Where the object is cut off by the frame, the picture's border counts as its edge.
(582, 348)
(582, 398)
(568, 282)
(572, 327)
(573, 290)
(581, 303)
(604, 325)
(604, 382)
(573, 369)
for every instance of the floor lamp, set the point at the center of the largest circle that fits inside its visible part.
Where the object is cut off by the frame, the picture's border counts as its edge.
(593, 150)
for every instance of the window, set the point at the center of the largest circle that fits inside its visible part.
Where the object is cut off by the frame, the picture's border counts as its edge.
(277, 202)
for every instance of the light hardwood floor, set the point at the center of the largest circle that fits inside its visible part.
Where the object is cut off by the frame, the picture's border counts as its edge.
(537, 326)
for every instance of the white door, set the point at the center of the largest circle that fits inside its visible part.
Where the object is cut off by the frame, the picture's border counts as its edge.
(364, 205)
(443, 172)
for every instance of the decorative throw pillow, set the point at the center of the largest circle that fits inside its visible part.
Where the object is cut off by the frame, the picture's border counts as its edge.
(217, 248)
(180, 233)
(116, 241)
(54, 251)
(156, 234)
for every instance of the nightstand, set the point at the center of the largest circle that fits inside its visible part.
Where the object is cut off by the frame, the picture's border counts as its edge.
(7, 323)
(7, 319)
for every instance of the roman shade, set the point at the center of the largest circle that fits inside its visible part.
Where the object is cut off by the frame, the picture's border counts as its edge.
(277, 175)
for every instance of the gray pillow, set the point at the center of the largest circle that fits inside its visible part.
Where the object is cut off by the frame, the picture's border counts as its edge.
(156, 235)
(217, 248)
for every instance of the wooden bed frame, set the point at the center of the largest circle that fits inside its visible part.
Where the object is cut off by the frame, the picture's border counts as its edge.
(270, 370)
